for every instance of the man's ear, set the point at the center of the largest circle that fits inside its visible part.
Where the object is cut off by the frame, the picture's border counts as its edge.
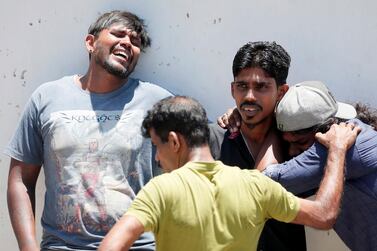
(89, 42)
(282, 90)
(174, 141)
(232, 88)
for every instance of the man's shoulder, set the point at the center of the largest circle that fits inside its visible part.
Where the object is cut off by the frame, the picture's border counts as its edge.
(216, 138)
(365, 128)
(151, 87)
(229, 148)
(217, 131)
(54, 85)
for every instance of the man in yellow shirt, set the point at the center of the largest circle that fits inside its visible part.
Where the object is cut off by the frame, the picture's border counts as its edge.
(203, 205)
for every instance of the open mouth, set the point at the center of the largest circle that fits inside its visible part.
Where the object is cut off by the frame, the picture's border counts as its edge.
(121, 54)
(250, 110)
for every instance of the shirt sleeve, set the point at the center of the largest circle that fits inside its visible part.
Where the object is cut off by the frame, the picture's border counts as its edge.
(149, 205)
(279, 203)
(362, 157)
(302, 173)
(26, 144)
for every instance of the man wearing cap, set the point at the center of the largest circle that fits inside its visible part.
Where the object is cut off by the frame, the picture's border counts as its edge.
(308, 108)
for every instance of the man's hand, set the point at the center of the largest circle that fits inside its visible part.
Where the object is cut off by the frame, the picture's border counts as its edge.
(341, 136)
(231, 120)
(322, 212)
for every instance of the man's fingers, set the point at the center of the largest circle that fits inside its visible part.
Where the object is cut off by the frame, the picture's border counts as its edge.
(339, 135)
(237, 118)
(223, 121)
(320, 137)
(231, 120)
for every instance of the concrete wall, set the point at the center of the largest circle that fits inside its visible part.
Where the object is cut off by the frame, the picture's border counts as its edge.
(193, 46)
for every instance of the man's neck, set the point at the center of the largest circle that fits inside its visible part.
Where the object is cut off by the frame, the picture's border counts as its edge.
(100, 81)
(255, 136)
(257, 133)
(200, 154)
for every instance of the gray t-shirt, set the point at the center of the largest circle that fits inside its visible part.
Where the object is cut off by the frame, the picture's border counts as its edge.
(94, 157)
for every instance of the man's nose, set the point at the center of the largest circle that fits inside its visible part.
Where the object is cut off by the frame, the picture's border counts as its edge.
(250, 94)
(126, 41)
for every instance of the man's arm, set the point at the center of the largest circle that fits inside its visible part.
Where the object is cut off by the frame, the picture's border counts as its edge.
(22, 180)
(304, 172)
(322, 212)
(123, 234)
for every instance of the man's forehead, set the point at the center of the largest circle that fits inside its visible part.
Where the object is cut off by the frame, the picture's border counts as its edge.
(254, 74)
(122, 26)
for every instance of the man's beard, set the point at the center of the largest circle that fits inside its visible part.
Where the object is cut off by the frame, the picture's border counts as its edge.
(255, 124)
(119, 72)
(251, 125)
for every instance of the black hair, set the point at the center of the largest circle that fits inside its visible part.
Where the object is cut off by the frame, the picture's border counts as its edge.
(269, 56)
(128, 19)
(366, 114)
(180, 114)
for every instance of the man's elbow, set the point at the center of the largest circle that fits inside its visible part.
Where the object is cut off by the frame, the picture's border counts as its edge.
(326, 221)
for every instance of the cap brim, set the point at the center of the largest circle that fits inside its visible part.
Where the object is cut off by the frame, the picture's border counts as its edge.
(345, 111)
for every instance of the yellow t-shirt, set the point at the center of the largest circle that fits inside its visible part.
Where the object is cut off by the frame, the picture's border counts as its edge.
(207, 206)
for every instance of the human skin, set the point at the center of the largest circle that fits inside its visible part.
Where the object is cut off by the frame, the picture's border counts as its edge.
(22, 180)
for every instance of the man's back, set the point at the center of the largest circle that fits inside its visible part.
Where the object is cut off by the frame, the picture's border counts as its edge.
(200, 207)
(233, 151)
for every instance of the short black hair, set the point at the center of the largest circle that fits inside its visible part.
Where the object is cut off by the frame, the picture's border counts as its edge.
(180, 114)
(269, 56)
(126, 18)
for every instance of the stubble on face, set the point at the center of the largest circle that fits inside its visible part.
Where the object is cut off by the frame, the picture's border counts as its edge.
(103, 59)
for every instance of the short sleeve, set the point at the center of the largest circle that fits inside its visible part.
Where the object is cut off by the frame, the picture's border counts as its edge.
(26, 144)
(302, 173)
(149, 205)
(279, 203)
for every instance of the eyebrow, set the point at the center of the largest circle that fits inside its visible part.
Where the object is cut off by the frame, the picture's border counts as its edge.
(124, 30)
(240, 82)
(255, 82)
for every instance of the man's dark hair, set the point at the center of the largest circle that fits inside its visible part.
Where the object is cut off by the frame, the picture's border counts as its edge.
(366, 114)
(180, 114)
(126, 18)
(269, 56)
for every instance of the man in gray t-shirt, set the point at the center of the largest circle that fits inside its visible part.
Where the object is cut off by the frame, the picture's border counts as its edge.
(85, 131)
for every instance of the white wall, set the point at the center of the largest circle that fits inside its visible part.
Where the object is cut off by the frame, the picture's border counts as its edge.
(193, 47)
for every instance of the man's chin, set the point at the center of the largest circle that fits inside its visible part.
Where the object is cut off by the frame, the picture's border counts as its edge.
(252, 122)
(120, 72)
